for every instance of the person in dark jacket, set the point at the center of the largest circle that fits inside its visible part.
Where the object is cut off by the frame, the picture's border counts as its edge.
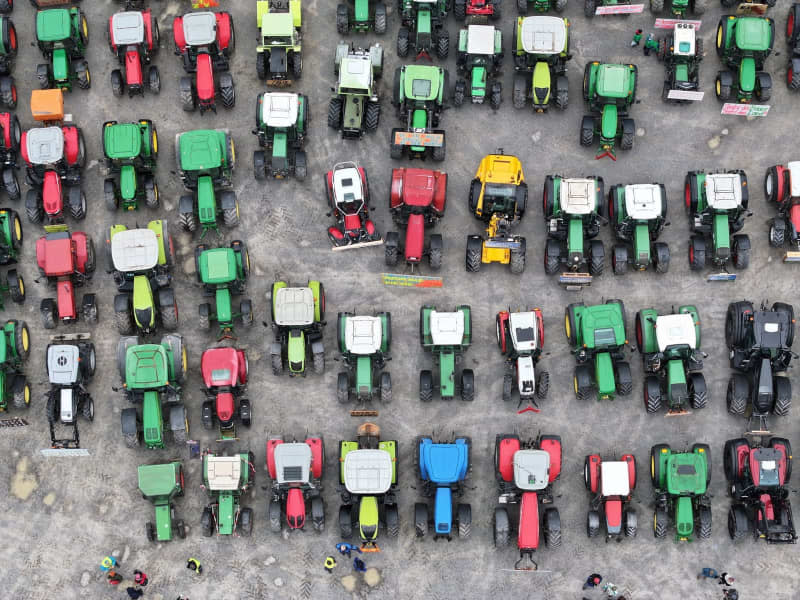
(134, 593)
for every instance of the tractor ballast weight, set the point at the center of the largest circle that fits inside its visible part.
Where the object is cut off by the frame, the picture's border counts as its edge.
(446, 335)
(743, 45)
(71, 362)
(638, 214)
(226, 479)
(423, 29)
(681, 53)
(782, 188)
(225, 372)
(365, 343)
(520, 337)
(62, 35)
(161, 484)
(480, 54)
(540, 48)
(298, 322)
(223, 272)
(131, 153)
(296, 468)
(281, 127)
(356, 109)
(611, 483)
(279, 53)
(609, 91)
(420, 93)
(134, 39)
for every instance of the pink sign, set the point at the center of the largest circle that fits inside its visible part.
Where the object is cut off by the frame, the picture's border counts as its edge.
(619, 9)
(670, 23)
(745, 110)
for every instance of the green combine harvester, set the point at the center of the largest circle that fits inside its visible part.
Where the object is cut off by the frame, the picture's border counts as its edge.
(609, 91)
(161, 484)
(131, 151)
(226, 479)
(446, 335)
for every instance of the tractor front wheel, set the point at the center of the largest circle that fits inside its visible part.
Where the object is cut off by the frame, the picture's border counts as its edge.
(386, 388)
(589, 8)
(723, 90)
(552, 528)
(736, 395)
(343, 388)
(474, 252)
(335, 113)
(698, 391)
(154, 79)
(697, 253)
(435, 252)
(704, 531)
(582, 382)
(425, 386)
(520, 92)
(592, 523)
(522, 7)
(652, 394)
(587, 131)
(542, 385)
(738, 524)
(783, 396)
(501, 525)
(402, 42)
(372, 116)
(83, 75)
(117, 83)
(467, 385)
(631, 523)
(660, 523)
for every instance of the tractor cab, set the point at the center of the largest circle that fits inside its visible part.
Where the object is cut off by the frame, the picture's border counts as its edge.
(644, 202)
(294, 308)
(135, 251)
(531, 470)
(578, 197)
(44, 146)
(146, 367)
(223, 473)
(123, 144)
(684, 41)
(348, 192)
(363, 335)
(614, 479)
(200, 31)
(541, 53)
(770, 330)
(544, 38)
(368, 473)
(675, 333)
(447, 328)
(279, 110)
(127, 29)
(218, 266)
(356, 73)
(201, 159)
(524, 331)
(724, 191)
(686, 474)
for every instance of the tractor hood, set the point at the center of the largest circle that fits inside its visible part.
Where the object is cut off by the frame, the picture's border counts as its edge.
(146, 367)
(122, 141)
(200, 149)
(134, 250)
(675, 330)
(159, 480)
(222, 366)
(543, 35)
(218, 266)
(62, 364)
(363, 335)
(686, 474)
(643, 201)
(443, 463)
(421, 82)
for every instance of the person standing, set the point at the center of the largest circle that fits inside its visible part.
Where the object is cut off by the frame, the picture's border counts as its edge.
(108, 563)
(194, 565)
(726, 579)
(708, 573)
(114, 578)
(359, 565)
(592, 580)
(330, 564)
(134, 593)
(140, 578)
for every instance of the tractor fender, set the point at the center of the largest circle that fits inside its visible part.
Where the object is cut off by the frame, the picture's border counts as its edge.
(317, 347)
(745, 188)
(317, 455)
(440, 192)
(502, 324)
(764, 80)
(227, 200)
(71, 144)
(121, 303)
(272, 443)
(631, 461)
(795, 61)
(725, 78)
(177, 418)
(186, 204)
(506, 446)
(552, 445)
(539, 326)
(692, 310)
(275, 348)
(591, 472)
(785, 464)
(129, 421)
(396, 198)
(177, 35)
(392, 239)
(645, 331)
(224, 23)
(166, 297)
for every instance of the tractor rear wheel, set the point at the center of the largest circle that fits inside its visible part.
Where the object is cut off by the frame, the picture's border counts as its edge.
(660, 523)
(117, 83)
(698, 391)
(542, 385)
(592, 523)
(737, 323)
(501, 526)
(425, 386)
(335, 113)
(631, 523)
(188, 221)
(652, 394)
(738, 524)
(402, 42)
(736, 395)
(655, 463)
(704, 531)
(783, 396)
(589, 8)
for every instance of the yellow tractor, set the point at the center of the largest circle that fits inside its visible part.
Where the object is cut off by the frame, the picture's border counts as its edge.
(497, 196)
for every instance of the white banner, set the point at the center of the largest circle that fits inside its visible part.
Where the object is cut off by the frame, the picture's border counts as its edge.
(670, 23)
(745, 110)
(685, 95)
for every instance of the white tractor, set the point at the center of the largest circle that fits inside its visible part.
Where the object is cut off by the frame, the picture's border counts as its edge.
(520, 336)
(71, 362)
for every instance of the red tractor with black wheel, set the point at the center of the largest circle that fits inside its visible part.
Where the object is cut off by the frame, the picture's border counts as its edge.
(417, 203)
(296, 472)
(347, 190)
(758, 474)
(782, 188)
(225, 378)
(612, 483)
(205, 41)
(67, 261)
(476, 11)
(134, 39)
(9, 148)
(525, 472)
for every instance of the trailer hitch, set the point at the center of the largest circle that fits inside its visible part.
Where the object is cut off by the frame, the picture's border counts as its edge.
(522, 565)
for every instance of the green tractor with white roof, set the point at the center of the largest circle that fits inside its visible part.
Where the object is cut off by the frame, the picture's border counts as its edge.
(298, 321)
(281, 127)
(446, 335)
(681, 53)
(540, 47)
(279, 54)
(680, 481)
(422, 27)
(226, 479)
(152, 375)
(597, 336)
(365, 342)
(223, 272)
(743, 45)
(638, 214)
(670, 349)
(361, 16)
(480, 52)
(206, 159)
(15, 346)
(356, 109)
(131, 151)
(62, 35)
(609, 91)
(161, 484)
(419, 95)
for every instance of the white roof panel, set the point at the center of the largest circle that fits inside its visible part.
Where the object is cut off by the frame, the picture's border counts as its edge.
(724, 190)
(223, 472)
(294, 306)
(279, 109)
(531, 469)
(543, 35)
(447, 328)
(674, 330)
(368, 471)
(643, 201)
(577, 196)
(614, 478)
(128, 28)
(45, 145)
(134, 250)
(363, 335)
(480, 39)
(199, 28)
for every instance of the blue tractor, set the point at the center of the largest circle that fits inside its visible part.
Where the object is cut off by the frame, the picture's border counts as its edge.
(443, 469)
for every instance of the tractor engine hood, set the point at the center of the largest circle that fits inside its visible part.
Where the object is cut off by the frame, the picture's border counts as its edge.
(526, 378)
(225, 408)
(66, 410)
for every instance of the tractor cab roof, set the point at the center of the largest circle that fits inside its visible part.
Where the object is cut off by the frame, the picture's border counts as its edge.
(419, 186)
(753, 34)
(199, 28)
(447, 328)
(223, 473)
(277, 25)
(543, 35)
(613, 80)
(769, 329)
(368, 471)
(577, 196)
(134, 250)
(355, 72)
(293, 462)
(127, 28)
(614, 478)
(45, 145)
(643, 201)
(724, 190)
(199, 149)
(348, 191)
(683, 37)
(363, 335)
(62, 363)
(531, 469)
(122, 141)
(765, 466)
(675, 330)
(500, 168)
(220, 366)
(524, 332)
(794, 178)
(218, 266)
(686, 474)
(480, 40)
(159, 480)
(58, 257)
(602, 326)
(294, 306)
(279, 109)
(53, 25)
(146, 367)
(421, 82)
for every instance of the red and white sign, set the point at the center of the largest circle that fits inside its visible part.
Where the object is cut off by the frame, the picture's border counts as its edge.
(685, 95)
(620, 9)
(670, 23)
(745, 110)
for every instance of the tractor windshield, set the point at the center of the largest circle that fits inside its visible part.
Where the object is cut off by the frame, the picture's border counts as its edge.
(496, 197)
(421, 88)
(525, 334)
(350, 205)
(220, 375)
(604, 337)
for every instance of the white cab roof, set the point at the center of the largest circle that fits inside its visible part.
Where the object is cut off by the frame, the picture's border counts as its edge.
(347, 183)
(294, 306)
(62, 363)
(128, 28)
(480, 39)
(199, 28)
(643, 201)
(523, 329)
(683, 40)
(45, 145)
(614, 478)
(794, 178)
(447, 328)
(531, 469)
(368, 471)
(279, 109)
(577, 196)
(223, 472)
(724, 190)
(543, 35)
(134, 250)
(673, 330)
(357, 70)
(362, 335)
(292, 462)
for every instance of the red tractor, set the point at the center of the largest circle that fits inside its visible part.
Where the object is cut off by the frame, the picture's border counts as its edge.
(347, 190)
(9, 147)
(525, 471)
(67, 260)
(478, 10)
(782, 187)
(758, 474)
(134, 39)
(54, 156)
(612, 482)
(205, 41)
(225, 377)
(417, 202)
(296, 472)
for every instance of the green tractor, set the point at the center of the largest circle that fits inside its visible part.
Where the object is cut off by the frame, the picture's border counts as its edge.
(226, 479)
(540, 46)
(223, 272)
(679, 9)
(598, 339)
(161, 484)
(206, 159)
(540, 6)
(743, 45)
(419, 95)
(131, 151)
(446, 335)
(8, 52)
(609, 90)
(298, 321)
(281, 126)
(716, 204)
(638, 214)
(368, 487)
(422, 27)
(361, 16)
(480, 52)
(681, 53)
(141, 262)
(62, 35)
(670, 349)
(356, 107)
(279, 54)
(365, 342)
(15, 346)
(152, 375)
(10, 248)
(680, 481)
